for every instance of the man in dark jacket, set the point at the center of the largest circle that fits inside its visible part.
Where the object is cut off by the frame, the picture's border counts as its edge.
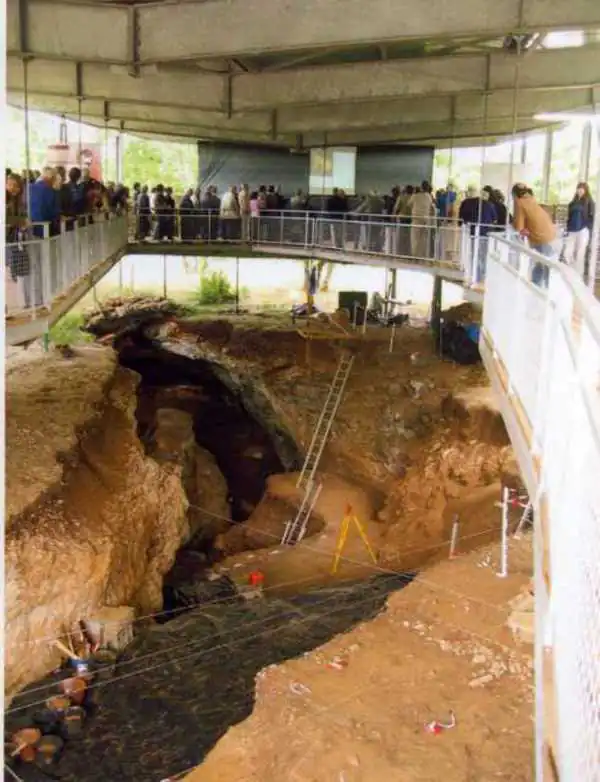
(480, 213)
(144, 221)
(44, 203)
(170, 219)
(76, 193)
(336, 210)
(187, 217)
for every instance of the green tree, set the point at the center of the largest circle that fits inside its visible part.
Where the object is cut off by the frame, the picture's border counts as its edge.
(150, 162)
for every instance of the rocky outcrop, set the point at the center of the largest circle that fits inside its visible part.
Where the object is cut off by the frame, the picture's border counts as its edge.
(92, 520)
(173, 440)
(458, 475)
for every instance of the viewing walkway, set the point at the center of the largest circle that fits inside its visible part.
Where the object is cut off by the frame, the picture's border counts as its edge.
(46, 277)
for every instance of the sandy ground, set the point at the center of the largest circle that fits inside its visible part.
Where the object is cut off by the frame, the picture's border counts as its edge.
(310, 562)
(48, 398)
(441, 646)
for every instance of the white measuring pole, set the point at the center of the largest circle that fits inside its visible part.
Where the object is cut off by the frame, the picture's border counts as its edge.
(504, 540)
(453, 538)
(392, 338)
(524, 518)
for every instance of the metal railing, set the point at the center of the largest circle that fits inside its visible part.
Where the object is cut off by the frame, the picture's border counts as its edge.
(541, 346)
(424, 241)
(39, 271)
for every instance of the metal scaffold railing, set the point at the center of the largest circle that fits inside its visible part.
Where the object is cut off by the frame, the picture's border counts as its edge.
(41, 271)
(543, 357)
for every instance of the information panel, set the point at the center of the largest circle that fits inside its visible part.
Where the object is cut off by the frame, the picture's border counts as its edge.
(332, 167)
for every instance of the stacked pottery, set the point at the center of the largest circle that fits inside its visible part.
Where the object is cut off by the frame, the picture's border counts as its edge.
(63, 717)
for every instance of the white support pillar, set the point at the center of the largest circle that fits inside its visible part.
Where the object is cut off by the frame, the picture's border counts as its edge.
(524, 150)
(586, 150)
(119, 155)
(547, 166)
(594, 269)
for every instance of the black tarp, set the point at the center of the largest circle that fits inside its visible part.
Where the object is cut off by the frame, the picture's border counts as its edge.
(377, 168)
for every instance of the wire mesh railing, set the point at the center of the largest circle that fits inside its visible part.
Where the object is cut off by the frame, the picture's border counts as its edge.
(541, 346)
(39, 271)
(423, 241)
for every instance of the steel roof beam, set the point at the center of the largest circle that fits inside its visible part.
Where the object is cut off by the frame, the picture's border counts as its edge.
(325, 87)
(237, 28)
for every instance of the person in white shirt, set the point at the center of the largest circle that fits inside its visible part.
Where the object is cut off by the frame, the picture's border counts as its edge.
(230, 215)
(422, 211)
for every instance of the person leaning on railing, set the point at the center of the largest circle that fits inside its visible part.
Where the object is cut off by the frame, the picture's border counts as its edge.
(531, 221)
(17, 257)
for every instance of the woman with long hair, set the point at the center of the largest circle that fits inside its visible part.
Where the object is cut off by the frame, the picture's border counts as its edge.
(579, 227)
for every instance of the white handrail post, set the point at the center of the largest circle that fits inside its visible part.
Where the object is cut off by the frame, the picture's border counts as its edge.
(392, 338)
(453, 538)
(504, 539)
(46, 264)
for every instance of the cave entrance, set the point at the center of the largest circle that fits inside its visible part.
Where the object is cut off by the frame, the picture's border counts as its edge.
(243, 448)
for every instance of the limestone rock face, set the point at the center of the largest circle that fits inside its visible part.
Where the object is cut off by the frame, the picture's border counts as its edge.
(99, 522)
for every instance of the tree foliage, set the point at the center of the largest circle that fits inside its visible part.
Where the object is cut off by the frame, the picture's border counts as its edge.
(152, 162)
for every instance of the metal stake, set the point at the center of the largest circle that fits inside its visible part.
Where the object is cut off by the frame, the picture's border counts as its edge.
(504, 541)
(453, 538)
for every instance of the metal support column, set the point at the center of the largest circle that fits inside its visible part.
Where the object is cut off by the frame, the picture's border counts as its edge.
(436, 308)
(586, 151)
(119, 155)
(515, 121)
(547, 165)
(393, 284)
(594, 267)
(524, 150)
(199, 161)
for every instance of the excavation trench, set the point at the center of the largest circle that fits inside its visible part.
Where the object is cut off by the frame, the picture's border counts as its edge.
(235, 448)
(182, 683)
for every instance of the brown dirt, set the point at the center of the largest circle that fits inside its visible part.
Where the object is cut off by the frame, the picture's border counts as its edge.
(422, 436)
(416, 441)
(441, 645)
(94, 521)
(291, 569)
(47, 400)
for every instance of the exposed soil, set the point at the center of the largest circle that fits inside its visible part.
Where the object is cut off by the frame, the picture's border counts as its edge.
(416, 442)
(441, 646)
(186, 682)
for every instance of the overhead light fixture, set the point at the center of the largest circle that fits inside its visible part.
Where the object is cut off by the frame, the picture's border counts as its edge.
(568, 118)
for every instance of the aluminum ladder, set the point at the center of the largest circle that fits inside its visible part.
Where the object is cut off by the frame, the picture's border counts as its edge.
(295, 530)
(325, 422)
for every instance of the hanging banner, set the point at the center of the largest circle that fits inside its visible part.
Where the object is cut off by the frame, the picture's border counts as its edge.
(67, 156)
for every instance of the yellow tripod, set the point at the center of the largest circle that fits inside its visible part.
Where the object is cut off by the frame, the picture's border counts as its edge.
(344, 529)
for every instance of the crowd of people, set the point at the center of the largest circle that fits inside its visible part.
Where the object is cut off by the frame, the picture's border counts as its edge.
(59, 199)
(52, 196)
